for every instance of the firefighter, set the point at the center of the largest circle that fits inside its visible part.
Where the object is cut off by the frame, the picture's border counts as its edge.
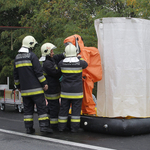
(71, 88)
(29, 79)
(52, 74)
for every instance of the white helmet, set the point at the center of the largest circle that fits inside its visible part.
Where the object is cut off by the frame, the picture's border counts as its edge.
(45, 50)
(70, 50)
(29, 42)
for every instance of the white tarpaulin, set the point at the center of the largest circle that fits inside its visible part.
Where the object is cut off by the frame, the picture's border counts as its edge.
(124, 46)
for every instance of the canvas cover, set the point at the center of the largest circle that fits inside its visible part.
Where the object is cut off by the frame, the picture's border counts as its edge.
(124, 46)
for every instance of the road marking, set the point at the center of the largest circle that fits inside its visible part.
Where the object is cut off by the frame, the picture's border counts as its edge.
(11, 119)
(55, 140)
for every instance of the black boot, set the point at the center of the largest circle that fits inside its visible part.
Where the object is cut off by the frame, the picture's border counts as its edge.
(30, 130)
(46, 129)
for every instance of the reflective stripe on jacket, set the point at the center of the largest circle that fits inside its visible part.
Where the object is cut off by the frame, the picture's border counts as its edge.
(28, 74)
(52, 74)
(71, 84)
(52, 96)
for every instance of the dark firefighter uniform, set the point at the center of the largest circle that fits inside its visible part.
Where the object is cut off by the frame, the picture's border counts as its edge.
(29, 78)
(71, 91)
(52, 74)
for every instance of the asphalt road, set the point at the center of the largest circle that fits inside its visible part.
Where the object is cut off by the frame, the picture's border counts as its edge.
(13, 136)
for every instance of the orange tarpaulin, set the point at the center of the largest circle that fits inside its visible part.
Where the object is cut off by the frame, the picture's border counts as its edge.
(91, 74)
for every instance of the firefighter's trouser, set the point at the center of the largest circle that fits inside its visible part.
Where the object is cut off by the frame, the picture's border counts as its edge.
(28, 102)
(75, 113)
(88, 104)
(53, 106)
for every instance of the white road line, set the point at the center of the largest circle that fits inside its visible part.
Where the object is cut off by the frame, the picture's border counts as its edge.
(11, 119)
(55, 140)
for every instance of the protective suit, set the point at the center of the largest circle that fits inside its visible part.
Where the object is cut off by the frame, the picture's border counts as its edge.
(90, 75)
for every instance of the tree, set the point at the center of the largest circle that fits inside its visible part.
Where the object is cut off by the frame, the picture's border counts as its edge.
(54, 20)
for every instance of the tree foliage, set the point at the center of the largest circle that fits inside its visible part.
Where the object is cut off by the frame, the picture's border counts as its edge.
(54, 20)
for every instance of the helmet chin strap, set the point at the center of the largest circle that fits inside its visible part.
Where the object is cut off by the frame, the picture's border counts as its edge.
(33, 48)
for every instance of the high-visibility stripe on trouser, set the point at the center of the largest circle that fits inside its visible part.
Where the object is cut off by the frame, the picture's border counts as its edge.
(43, 117)
(62, 122)
(28, 120)
(62, 119)
(53, 121)
(75, 116)
(43, 120)
(53, 105)
(75, 122)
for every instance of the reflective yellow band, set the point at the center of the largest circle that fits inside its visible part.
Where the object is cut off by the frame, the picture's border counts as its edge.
(62, 121)
(17, 83)
(44, 74)
(52, 98)
(23, 65)
(44, 118)
(32, 93)
(71, 71)
(71, 96)
(81, 59)
(53, 122)
(29, 119)
(42, 80)
(75, 120)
